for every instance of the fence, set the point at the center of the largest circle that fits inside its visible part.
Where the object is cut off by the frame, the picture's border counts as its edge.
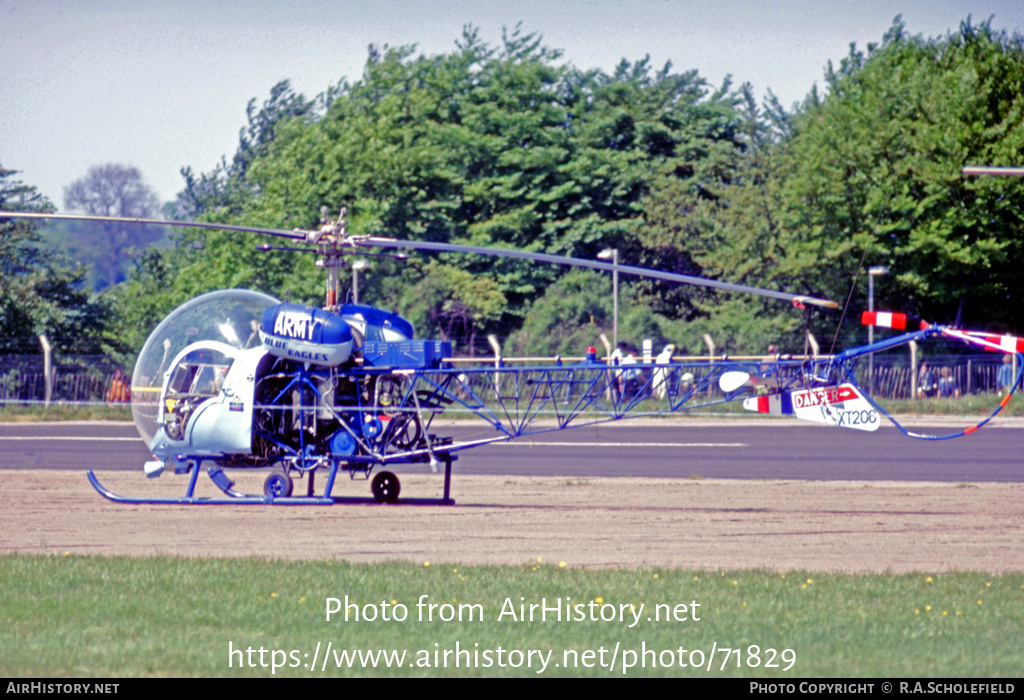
(88, 379)
(973, 375)
(77, 379)
(30, 387)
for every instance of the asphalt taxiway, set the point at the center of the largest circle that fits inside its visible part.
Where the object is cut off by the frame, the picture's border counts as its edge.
(727, 448)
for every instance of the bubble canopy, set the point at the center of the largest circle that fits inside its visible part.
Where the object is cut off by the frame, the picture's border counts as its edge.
(230, 316)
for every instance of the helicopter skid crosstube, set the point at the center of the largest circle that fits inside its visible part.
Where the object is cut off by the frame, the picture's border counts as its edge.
(233, 497)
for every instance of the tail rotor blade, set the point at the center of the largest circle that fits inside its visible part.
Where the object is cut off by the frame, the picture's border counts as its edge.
(896, 321)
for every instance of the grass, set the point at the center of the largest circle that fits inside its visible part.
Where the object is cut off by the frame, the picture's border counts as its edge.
(63, 616)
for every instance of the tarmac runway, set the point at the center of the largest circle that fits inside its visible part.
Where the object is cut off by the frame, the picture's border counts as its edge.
(727, 448)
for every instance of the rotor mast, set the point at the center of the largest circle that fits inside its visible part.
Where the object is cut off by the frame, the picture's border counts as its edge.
(330, 238)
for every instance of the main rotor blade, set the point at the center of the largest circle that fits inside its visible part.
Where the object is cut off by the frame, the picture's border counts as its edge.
(992, 170)
(372, 241)
(300, 235)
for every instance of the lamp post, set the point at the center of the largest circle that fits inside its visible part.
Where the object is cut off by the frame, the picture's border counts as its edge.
(872, 273)
(357, 265)
(613, 255)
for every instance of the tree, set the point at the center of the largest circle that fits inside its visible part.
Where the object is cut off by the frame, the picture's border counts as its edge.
(454, 302)
(868, 174)
(872, 174)
(728, 229)
(160, 279)
(573, 314)
(40, 291)
(111, 190)
(496, 146)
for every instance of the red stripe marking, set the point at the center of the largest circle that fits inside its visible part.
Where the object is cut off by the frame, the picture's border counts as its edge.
(884, 319)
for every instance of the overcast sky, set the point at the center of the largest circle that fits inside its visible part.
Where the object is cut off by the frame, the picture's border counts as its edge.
(164, 85)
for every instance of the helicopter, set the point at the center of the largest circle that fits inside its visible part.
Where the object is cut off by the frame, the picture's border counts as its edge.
(236, 379)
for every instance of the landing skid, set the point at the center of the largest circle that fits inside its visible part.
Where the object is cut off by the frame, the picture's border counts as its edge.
(233, 497)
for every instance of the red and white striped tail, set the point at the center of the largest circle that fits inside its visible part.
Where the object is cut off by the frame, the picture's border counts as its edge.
(887, 319)
(1006, 343)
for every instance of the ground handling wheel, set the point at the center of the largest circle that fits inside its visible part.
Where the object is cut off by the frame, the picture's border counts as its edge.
(385, 487)
(278, 485)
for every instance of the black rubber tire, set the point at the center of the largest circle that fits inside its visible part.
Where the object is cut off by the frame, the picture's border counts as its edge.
(385, 487)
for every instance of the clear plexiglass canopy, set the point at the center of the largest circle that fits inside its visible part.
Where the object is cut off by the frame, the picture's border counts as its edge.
(230, 316)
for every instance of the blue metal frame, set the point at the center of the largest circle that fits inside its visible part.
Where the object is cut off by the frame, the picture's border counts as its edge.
(845, 362)
(514, 402)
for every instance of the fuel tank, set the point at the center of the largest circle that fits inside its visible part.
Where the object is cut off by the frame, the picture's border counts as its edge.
(306, 334)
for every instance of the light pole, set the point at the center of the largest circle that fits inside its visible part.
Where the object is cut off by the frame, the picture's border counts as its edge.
(613, 255)
(872, 273)
(357, 265)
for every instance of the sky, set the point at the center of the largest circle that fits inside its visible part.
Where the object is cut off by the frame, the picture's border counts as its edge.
(164, 85)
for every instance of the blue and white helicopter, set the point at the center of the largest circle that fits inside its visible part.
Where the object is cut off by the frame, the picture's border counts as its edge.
(237, 379)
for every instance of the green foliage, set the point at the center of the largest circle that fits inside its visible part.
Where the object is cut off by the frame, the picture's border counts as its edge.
(40, 291)
(505, 146)
(497, 146)
(144, 300)
(200, 261)
(569, 318)
(61, 412)
(450, 303)
(873, 174)
(729, 230)
(227, 188)
(867, 174)
(576, 311)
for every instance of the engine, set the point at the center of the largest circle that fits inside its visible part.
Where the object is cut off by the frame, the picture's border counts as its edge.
(311, 397)
(306, 334)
